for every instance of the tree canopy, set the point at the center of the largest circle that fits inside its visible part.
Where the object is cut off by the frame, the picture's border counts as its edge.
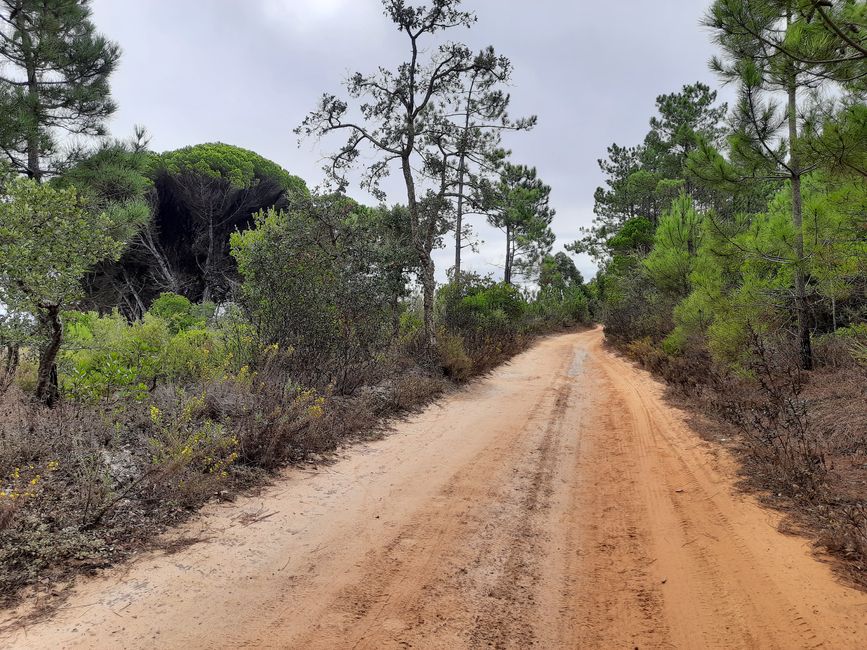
(54, 79)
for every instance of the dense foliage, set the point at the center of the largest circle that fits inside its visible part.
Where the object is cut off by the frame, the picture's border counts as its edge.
(197, 197)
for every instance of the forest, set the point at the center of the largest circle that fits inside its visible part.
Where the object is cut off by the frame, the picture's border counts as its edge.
(178, 326)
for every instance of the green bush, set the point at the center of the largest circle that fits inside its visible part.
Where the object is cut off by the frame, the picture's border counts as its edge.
(108, 357)
(481, 306)
(180, 313)
(556, 308)
(194, 355)
(314, 283)
(410, 323)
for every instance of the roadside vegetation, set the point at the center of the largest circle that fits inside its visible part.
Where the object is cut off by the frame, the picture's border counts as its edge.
(176, 326)
(732, 244)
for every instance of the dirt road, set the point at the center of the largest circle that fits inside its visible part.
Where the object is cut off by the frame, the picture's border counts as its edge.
(558, 503)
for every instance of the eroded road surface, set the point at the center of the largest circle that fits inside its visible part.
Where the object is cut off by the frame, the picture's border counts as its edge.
(558, 503)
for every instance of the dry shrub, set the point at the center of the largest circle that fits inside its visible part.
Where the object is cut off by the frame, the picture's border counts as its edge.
(645, 353)
(690, 371)
(191, 455)
(803, 435)
(454, 360)
(270, 417)
(7, 512)
(344, 418)
(766, 401)
(845, 534)
(417, 389)
(61, 459)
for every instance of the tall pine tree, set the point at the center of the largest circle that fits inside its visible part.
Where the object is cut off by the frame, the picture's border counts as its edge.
(54, 71)
(523, 213)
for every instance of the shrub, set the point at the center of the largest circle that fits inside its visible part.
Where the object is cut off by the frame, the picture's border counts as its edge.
(179, 313)
(557, 308)
(312, 284)
(193, 355)
(189, 457)
(845, 347)
(454, 360)
(274, 422)
(106, 357)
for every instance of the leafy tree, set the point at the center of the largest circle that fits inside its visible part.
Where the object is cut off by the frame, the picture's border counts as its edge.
(179, 313)
(398, 113)
(735, 291)
(240, 167)
(389, 234)
(682, 118)
(217, 187)
(522, 212)
(316, 283)
(114, 178)
(114, 174)
(642, 181)
(197, 197)
(635, 237)
(54, 78)
(838, 138)
(48, 240)
(766, 143)
(823, 38)
(559, 271)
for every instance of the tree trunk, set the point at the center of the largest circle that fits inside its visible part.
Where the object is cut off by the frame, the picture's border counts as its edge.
(805, 348)
(150, 242)
(10, 366)
(33, 170)
(429, 289)
(422, 250)
(47, 390)
(459, 221)
(207, 270)
(507, 274)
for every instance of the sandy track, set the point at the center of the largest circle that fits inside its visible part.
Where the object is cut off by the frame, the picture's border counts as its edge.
(557, 503)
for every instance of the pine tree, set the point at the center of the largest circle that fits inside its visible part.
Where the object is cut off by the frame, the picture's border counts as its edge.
(54, 78)
(523, 214)
(755, 38)
(467, 135)
(398, 109)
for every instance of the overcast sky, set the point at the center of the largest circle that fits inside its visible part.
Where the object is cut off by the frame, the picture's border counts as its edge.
(245, 72)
